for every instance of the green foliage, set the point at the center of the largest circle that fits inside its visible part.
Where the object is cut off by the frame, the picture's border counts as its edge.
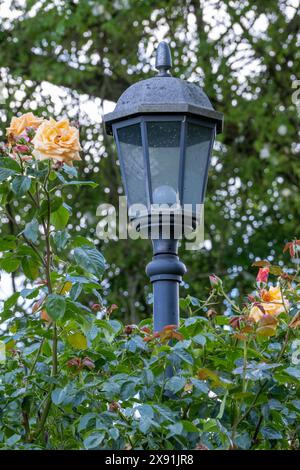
(112, 391)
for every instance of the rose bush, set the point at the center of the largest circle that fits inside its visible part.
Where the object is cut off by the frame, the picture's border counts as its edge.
(75, 377)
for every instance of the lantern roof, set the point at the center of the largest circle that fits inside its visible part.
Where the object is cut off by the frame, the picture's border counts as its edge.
(163, 94)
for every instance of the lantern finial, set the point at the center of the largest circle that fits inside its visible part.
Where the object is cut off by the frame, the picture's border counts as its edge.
(163, 59)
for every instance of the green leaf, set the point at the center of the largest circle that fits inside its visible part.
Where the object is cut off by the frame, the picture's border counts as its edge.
(31, 231)
(188, 426)
(79, 240)
(30, 268)
(90, 259)
(60, 395)
(146, 410)
(293, 372)
(93, 440)
(60, 218)
(145, 424)
(29, 293)
(175, 384)
(194, 301)
(222, 406)
(261, 264)
(221, 320)
(271, 433)
(55, 204)
(296, 404)
(92, 184)
(8, 167)
(75, 291)
(61, 238)
(71, 171)
(200, 386)
(9, 264)
(276, 270)
(55, 306)
(266, 331)
(5, 173)
(200, 339)
(8, 243)
(25, 250)
(77, 340)
(30, 349)
(11, 301)
(20, 185)
(114, 433)
(175, 429)
(12, 440)
(85, 421)
(64, 182)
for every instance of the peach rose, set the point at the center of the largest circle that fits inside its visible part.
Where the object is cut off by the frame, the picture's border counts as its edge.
(57, 141)
(272, 302)
(18, 125)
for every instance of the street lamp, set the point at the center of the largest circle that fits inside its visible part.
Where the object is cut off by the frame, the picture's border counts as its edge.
(164, 130)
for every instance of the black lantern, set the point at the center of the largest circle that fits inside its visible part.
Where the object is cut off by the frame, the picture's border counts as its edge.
(164, 130)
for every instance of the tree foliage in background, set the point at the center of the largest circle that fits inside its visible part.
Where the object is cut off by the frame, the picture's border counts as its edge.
(246, 56)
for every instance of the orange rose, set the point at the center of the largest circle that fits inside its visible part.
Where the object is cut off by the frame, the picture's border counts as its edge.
(57, 141)
(19, 124)
(272, 302)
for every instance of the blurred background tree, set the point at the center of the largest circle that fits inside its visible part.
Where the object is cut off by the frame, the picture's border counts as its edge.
(75, 58)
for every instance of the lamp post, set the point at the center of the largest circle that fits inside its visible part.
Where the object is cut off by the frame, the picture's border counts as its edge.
(164, 130)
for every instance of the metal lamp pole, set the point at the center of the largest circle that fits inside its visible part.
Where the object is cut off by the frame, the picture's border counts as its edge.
(165, 272)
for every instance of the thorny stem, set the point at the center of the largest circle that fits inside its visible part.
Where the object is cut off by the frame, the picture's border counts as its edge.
(46, 225)
(233, 305)
(13, 221)
(245, 367)
(38, 353)
(241, 418)
(285, 343)
(205, 303)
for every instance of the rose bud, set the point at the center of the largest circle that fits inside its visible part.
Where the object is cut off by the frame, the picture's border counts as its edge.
(201, 446)
(235, 322)
(114, 406)
(263, 274)
(211, 313)
(146, 329)
(96, 307)
(45, 317)
(89, 363)
(21, 148)
(214, 280)
(128, 329)
(57, 165)
(75, 362)
(111, 309)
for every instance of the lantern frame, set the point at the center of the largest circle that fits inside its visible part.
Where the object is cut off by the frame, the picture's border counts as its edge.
(184, 121)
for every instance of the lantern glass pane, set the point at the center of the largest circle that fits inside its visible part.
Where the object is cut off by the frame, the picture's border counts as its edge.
(164, 152)
(132, 163)
(198, 145)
